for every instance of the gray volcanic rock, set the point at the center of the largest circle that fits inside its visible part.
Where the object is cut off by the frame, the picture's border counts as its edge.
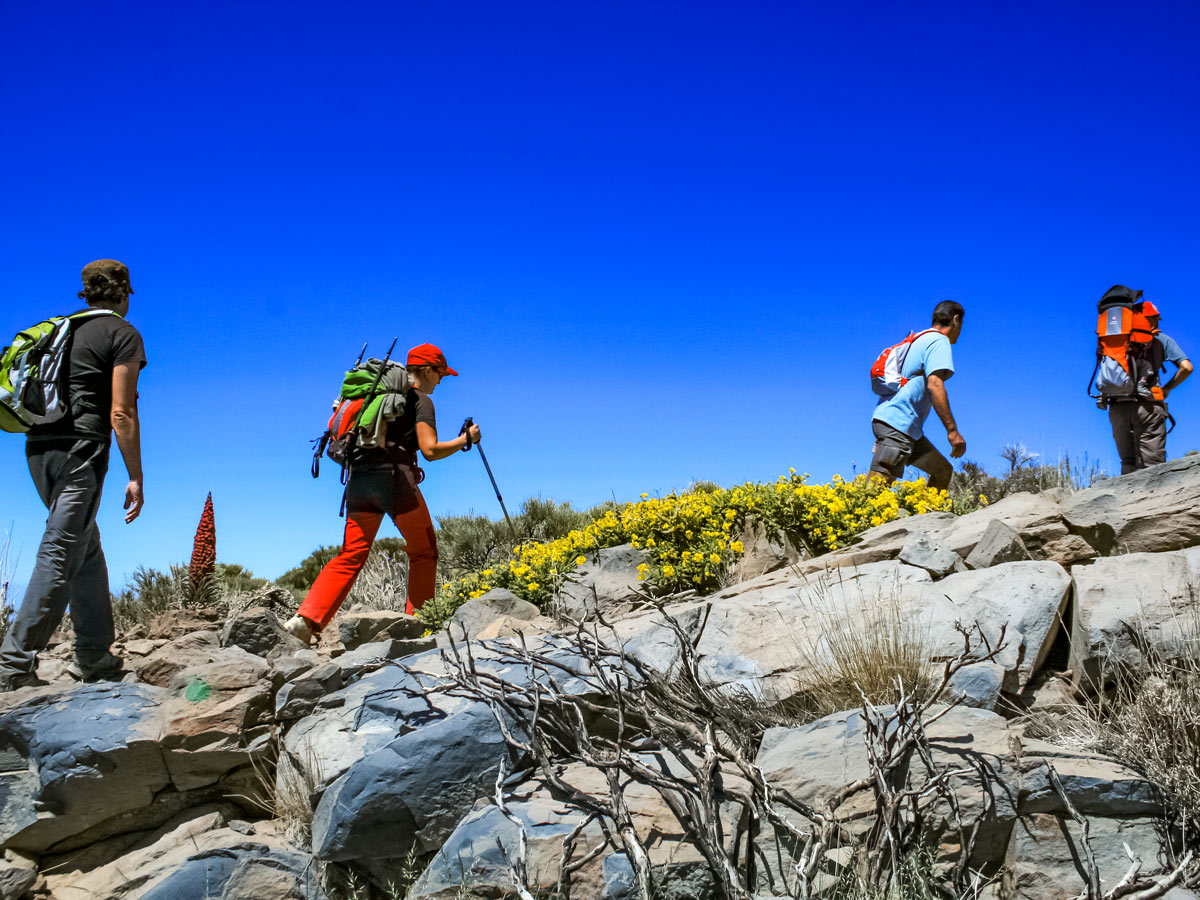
(767, 635)
(1045, 859)
(764, 551)
(299, 697)
(1000, 544)
(1037, 518)
(196, 648)
(257, 630)
(480, 850)
(358, 628)
(1121, 600)
(475, 615)
(608, 581)
(413, 790)
(100, 759)
(816, 761)
(85, 755)
(921, 551)
(201, 855)
(1153, 510)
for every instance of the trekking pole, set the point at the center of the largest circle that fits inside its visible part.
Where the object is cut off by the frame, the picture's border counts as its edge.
(467, 424)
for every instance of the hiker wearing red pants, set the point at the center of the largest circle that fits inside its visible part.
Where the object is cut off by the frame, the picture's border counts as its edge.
(383, 481)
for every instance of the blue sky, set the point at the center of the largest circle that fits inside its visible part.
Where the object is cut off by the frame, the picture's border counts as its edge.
(661, 241)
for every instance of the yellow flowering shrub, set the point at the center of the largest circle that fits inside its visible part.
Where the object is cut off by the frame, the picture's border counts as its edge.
(690, 538)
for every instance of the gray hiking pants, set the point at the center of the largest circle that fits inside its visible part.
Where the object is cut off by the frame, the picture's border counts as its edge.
(70, 569)
(1140, 430)
(894, 450)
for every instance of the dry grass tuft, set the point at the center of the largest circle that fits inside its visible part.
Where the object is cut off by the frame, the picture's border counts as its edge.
(1149, 719)
(851, 653)
(382, 584)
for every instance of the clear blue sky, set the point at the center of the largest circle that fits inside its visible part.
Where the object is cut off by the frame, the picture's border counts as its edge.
(661, 241)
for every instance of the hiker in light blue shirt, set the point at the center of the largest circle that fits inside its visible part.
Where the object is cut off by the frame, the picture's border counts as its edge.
(899, 420)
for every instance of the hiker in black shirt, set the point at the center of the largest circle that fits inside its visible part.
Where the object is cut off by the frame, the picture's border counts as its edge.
(68, 460)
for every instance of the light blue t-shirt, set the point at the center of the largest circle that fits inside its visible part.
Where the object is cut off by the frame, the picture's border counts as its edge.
(907, 409)
(1173, 352)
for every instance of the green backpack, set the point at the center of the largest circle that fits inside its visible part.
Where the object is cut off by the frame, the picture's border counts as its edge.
(33, 372)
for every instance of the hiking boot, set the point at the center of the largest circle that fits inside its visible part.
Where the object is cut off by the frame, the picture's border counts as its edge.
(14, 681)
(97, 667)
(300, 627)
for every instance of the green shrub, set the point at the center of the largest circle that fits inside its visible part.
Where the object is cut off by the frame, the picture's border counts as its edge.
(973, 486)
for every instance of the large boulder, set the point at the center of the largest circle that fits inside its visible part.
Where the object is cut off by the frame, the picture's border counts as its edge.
(1153, 510)
(770, 635)
(397, 761)
(414, 790)
(110, 758)
(81, 757)
(815, 762)
(1128, 604)
(609, 581)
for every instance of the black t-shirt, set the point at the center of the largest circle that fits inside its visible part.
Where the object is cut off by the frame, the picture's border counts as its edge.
(401, 434)
(98, 345)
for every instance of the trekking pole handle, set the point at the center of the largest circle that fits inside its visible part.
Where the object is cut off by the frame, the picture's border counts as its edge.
(466, 429)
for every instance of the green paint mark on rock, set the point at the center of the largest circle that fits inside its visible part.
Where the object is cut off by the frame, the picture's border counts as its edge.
(198, 690)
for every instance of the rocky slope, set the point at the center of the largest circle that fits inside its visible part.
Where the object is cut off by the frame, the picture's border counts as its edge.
(161, 786)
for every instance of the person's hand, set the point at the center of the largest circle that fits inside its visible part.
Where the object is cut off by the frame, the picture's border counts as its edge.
(958, 446)
(133, 501)
(474, 434)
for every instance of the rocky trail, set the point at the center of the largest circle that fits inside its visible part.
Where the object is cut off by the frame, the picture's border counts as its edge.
(236, 763)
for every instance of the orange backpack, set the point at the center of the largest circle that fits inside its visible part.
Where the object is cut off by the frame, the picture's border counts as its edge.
(1128, 358)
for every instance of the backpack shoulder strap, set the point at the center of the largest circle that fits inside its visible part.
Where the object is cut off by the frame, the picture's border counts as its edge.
(93, 312)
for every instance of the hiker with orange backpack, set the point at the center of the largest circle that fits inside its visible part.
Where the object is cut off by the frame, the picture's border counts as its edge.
(1131, 353)
(910, 379)
(383, 480)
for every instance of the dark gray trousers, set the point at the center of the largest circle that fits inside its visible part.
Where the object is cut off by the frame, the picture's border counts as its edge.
(1140, 430)
(70, 569)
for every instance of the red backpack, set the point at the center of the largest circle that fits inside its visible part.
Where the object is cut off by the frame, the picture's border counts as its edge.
(887, 371)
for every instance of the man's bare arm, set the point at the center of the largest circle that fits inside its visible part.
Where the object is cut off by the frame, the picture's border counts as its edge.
(1181, 375)
(128, 431)
(941, 403)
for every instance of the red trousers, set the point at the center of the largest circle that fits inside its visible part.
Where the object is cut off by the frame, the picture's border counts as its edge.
(332, 586)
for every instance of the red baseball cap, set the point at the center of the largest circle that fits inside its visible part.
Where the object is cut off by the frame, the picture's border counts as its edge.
(429, 355)
(1149, 309)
